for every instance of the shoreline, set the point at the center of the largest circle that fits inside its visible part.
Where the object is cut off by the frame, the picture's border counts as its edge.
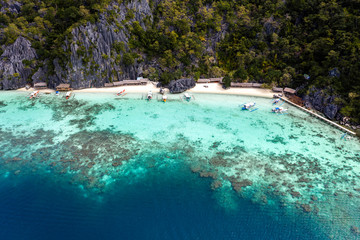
(212, 88)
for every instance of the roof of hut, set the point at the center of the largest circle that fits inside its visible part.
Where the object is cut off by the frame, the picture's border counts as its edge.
(109, 84)
(40, 84)
(63, 85)
(290, 90)
(277, 89)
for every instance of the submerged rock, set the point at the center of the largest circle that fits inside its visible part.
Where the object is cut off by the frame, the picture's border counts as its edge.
(355, 230)
(238, 184)
(306, 207)
(181, 85)
(216, 184)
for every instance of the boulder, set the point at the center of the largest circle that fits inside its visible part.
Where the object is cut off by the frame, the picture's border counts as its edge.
(323, 100)
(181, 85)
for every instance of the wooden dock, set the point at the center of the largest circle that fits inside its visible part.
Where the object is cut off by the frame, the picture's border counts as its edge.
(320, 117)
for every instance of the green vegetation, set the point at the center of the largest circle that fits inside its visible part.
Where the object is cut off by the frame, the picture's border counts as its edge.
(271, 42)
(47, 23)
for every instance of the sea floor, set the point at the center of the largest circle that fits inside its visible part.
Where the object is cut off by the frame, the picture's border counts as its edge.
(99, 165)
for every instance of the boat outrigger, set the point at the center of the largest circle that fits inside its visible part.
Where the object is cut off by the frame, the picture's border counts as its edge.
(68, 95)
(279, 110)
(34, 94)
(149, 96)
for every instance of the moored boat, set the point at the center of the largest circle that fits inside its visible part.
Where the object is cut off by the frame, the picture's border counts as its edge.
(187, 96)
(279, 110)
(121, 92)
(248, 106)
(149, 95)
(164, 98)
(68, 95)
(34, 94)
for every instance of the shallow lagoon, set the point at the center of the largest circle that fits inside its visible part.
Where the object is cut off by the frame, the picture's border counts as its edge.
(292, 171)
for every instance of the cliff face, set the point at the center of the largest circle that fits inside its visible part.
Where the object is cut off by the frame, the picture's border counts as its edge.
(93, 60)
(323, 101)
(15, 64)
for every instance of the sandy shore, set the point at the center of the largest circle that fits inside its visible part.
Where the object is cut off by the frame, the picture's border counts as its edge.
(213, 88)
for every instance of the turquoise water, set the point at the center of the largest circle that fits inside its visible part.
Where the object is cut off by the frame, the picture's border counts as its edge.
(292, 169)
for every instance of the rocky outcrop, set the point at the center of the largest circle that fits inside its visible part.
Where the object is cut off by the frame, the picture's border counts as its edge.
(323, 101)
(181, 85)
(11, 6)
(13, 72)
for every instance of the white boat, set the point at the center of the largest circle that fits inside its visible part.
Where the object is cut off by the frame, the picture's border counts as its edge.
(149, 96)
(247, 106)
(164, 98)
(187, 96)
(121, 92)
(276, 101)
(279, 110)
(68, 95)
(34, 94)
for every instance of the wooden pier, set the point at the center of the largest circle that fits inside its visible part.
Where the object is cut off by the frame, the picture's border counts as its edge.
(320, 117)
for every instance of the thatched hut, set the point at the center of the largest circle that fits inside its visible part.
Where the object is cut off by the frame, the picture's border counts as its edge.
(243, 85)
(109, 85)
(256, 85)
(289, 91)
(277, 89)
(63, 87)
(40, 85)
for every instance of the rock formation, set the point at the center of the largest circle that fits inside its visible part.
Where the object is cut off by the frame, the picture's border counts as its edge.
(181, 85)
(14, 72)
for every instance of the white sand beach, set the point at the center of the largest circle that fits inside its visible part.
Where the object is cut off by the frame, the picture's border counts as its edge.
(214, 88)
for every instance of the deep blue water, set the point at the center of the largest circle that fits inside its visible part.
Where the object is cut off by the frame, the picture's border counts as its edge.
(163, 205)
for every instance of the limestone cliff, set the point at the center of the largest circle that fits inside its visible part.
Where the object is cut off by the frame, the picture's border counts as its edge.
(15, 64)
(93, 60)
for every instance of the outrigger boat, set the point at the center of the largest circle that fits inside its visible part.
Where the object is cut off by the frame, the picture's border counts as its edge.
(149, 96)
(187, 97)
(121, 93)
(68, 95)
(248, 106)
(164, 98)
(278, 100)
(279, 110)
(34, 94)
